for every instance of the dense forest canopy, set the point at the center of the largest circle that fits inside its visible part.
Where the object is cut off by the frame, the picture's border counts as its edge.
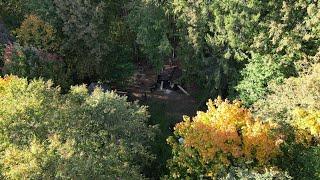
(265, 54)
(239, 46)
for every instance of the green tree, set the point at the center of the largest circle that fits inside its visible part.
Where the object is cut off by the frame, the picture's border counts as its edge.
(90, 43)
(92, 37)
(48, 135)
(259, 72)
(213, 40)
(150, 21)
(286, 43)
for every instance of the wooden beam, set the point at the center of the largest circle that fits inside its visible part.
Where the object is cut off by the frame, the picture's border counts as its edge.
(184, 91)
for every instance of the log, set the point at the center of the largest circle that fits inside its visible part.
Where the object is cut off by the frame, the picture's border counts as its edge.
(184, 91)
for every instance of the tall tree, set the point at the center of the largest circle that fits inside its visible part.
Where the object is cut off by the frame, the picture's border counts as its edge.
(150, 21)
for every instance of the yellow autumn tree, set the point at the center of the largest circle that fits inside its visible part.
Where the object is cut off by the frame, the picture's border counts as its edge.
(226, 135)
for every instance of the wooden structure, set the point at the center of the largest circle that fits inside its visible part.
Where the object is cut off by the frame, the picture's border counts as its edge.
(167, 80)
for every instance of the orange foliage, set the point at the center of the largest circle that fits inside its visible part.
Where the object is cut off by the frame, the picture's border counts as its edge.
(228, 130)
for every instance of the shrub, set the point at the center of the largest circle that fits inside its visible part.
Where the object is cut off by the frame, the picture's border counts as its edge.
(74, 136)
(34, 63)
(224, 136)
(37, 33)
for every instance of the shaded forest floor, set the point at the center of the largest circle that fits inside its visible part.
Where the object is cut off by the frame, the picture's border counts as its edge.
(177, 103)
(166, 108)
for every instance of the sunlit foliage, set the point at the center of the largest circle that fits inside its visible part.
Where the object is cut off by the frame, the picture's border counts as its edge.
(226, 135)
(48, 135)
(295, 93)
(307, 124)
